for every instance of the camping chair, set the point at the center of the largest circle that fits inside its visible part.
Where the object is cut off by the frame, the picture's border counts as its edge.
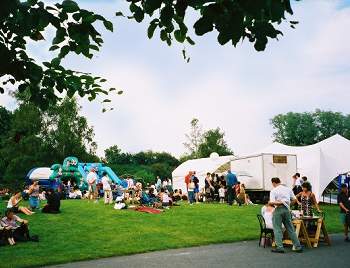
(264, 232)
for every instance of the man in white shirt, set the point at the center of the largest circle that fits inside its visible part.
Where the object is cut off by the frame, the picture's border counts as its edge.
(297, 182)
(108, 197)
(281, 197)
(91, 179)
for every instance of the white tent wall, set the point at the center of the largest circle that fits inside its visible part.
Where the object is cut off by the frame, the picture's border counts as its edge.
(201, 166)
(320, 162)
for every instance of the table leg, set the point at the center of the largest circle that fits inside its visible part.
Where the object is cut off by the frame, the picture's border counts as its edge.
(305, 235)
(325, 234)
(318, 232)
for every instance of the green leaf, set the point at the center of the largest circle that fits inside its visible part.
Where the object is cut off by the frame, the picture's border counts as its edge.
(151, 29)
(139, 15)
(108, 25)
(179, 36)
(112, 89)
(103, 80)
(106, 100)
(64, 51)
(120, 92)
(54, 48)
(151, 6)
(203, 26)
(56, 62)
(118, 14)
(190, 41)
(70, 6)
(294, 22)
(94, 47)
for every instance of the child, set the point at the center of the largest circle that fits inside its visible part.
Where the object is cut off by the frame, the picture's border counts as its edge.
(190, 191)
(222, 194)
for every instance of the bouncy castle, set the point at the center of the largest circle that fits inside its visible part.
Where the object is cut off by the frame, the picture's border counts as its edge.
(73, 170)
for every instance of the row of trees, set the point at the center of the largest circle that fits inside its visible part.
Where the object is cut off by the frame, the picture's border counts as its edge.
(298, 129)
(146, 165)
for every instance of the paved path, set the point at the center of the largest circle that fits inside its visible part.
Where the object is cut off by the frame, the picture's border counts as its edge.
(240, 254)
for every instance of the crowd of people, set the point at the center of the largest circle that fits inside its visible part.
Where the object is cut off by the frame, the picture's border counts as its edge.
(277, 210)
(161, 195)
(217, 188)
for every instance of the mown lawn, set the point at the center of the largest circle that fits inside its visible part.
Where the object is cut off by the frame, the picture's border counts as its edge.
(86, 230)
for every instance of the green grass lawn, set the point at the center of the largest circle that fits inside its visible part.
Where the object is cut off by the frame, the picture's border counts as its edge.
(88, 231)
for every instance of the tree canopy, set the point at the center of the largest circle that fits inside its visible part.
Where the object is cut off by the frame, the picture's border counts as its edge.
(201, 144)
(27, 21)
(35, 138)
(145, 164)
(298, 129)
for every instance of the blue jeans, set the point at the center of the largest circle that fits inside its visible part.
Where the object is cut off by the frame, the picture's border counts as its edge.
(191, 196)
(34, 202)
(282, 215)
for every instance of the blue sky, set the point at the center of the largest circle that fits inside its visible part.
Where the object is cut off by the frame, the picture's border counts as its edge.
(236, 89)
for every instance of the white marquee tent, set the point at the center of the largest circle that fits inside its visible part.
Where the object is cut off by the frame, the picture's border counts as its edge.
(321, 162)
(201, 166)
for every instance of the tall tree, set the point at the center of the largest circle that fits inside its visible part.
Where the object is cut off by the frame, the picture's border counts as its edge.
(75, 32)
(38, 138)
(298, 129)
(213, 141)
(194, 138)
(22, 147)
(68, 133)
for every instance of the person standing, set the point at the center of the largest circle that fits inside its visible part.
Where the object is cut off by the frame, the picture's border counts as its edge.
(190, 192)
(196, 186)
(344, 204)
(188, 179)
(158, 184)
(92, 179)
(231, 181)
(107, 190)
(34, 195)
(281, 197)
(297, 182)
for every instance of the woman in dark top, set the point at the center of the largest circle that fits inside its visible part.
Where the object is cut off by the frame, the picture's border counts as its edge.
(307, 200)
(53, 202)
(344, 204)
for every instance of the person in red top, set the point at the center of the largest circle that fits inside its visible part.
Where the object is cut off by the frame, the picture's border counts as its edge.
(188, 179)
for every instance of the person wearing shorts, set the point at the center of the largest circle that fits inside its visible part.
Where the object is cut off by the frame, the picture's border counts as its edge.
(92, 179)
(344, 204)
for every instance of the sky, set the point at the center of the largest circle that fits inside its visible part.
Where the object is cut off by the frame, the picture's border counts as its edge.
(236, 89)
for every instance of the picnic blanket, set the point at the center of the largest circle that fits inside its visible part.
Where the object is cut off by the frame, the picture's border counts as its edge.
(149, 210)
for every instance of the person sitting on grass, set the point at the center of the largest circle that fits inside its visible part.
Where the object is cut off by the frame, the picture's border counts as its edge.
(243, 196)
(78, 193)
(53, 202)
(164, 197)
(20, 232)
(176, 195)
(6, 236)
(13, 204)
